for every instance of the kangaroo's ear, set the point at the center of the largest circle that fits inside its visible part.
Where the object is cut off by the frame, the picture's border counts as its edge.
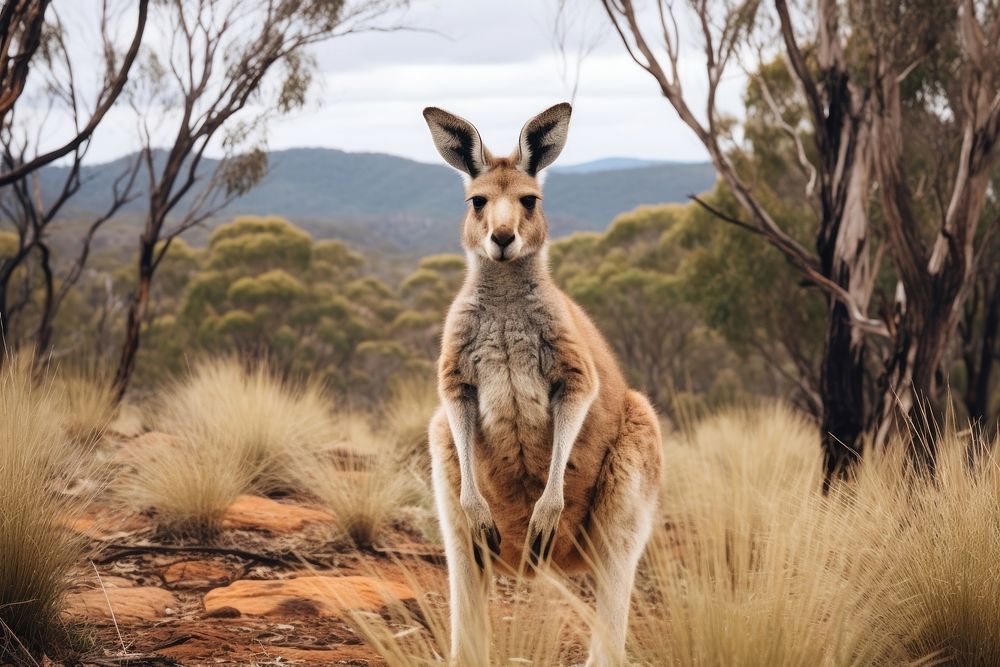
(543, 138)
(457, 140)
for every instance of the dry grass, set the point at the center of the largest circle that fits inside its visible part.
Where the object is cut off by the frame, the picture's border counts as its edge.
(753, 565)
(37, 462)
(756, 566)
(366, 485)
(407, 412)
(86, 402)
(946, 555)
(533, 623)
(237, 431)
(189, 484)
(264, 421)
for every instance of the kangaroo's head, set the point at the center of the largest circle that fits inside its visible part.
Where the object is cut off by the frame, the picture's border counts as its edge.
(504, 220)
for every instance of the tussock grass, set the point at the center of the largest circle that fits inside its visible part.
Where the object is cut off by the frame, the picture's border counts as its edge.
(37, 462)
(755, 566)
(189, 483)
(237, 431)
(946, 554)
(408, 411)
(86, 402)
(263, 420)
(367, 486)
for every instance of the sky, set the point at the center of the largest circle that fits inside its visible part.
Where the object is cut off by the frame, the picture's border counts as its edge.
(494, 63)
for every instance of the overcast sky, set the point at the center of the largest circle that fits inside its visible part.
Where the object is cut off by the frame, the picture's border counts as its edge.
(496, 64)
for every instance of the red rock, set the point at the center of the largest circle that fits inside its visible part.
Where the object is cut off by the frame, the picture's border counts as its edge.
(130, 603)
(259, 513)
(307, 596)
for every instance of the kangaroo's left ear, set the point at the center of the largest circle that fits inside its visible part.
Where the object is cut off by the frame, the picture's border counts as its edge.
(543, 138)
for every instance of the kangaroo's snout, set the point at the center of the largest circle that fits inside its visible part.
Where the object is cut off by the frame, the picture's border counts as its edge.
(502, 238)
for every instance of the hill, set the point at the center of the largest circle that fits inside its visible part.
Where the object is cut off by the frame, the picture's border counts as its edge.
(386, 202)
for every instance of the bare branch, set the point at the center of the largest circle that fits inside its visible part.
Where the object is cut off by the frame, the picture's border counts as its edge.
(104, 105)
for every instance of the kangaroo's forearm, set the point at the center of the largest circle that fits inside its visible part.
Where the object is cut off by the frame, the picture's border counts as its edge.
(569, 413)
(462, 420)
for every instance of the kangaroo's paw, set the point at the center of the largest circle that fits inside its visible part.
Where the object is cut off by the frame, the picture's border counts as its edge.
(542, 529)
(482, 528)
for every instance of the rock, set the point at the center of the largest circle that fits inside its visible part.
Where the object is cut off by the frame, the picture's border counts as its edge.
(191, 574)
(259, 513)
(130, 603)
(307, 596)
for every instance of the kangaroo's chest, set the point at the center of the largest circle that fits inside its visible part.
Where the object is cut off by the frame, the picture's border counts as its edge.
(510, 357)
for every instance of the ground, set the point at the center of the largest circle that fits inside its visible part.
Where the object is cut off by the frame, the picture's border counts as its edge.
(273, 588)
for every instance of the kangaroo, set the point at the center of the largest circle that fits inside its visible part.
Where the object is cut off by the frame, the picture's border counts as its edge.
(539, 450)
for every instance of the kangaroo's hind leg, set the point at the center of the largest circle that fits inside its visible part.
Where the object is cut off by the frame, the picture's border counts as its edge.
(621, 523)
(470, 638)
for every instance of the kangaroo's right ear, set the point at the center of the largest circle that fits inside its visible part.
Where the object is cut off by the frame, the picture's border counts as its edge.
(457, 141)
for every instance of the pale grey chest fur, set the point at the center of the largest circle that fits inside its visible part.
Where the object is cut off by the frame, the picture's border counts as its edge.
(507, 353)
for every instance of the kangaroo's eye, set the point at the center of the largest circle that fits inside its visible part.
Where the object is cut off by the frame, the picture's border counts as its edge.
(478, 202)
(528, 202)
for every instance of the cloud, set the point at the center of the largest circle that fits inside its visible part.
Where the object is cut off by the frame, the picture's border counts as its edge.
(495, 63)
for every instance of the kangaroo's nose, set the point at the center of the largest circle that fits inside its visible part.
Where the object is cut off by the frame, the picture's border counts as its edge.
(502, 239)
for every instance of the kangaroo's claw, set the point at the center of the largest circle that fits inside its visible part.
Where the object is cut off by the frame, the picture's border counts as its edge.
(490, 535)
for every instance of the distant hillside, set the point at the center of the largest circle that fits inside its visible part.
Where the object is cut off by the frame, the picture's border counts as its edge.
(386, 202)
(608, 164)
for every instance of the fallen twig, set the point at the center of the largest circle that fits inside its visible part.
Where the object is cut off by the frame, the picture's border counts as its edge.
(278, 559)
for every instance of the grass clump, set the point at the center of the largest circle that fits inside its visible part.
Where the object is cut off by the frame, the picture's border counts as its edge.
(754, 566)
(365, 482)
(946, 557)
(37, 551)
(188, 483)
(86, 402)
(408, 411)
(236, 430)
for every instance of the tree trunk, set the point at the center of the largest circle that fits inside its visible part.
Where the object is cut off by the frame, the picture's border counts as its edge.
(136, 315)
(842, 391)
(980, 371)
(43, 337)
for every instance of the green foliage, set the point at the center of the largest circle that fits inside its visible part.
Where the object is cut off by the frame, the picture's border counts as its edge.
(264, 288)
(628, 281)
